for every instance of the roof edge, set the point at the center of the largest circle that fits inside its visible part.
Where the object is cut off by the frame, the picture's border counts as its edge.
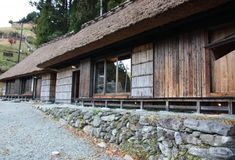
(177, 13)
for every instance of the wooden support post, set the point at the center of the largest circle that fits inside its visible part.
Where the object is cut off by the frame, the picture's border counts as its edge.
(198, 107)
(82, 103)
(167, 105)
(141, 105)
(121, 104)
(230, 107)
(106, 104)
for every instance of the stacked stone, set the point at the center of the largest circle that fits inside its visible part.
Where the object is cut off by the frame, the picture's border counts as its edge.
(153, 136)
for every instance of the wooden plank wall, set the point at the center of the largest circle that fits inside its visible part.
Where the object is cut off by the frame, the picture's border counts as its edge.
(221, 33)
(179, 65)
(223, 69)
(17, 86)
(3, 88)
(85, 78)
(53, 86)
(38, 87)
(142, 71)
(224, 74)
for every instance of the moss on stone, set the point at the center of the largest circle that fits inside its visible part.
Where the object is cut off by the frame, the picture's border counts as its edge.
(134, 150)
(96, 111)
(186, 155)
(152, 119)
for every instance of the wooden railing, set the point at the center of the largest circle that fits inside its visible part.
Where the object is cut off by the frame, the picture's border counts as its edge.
(16, 97)
(199, 105)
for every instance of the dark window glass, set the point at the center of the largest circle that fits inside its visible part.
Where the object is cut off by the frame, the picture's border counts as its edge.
(26, 85)
(111, 67)
(124, 74)
(10, 87)
(99, 77)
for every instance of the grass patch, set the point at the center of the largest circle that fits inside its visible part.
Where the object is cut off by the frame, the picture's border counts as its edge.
(7, 62)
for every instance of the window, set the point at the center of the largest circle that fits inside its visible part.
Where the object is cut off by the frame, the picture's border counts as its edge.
(112, 75)
(222, 64)
(10, 87)
(26, 85)
(75, 85)
(99, 77)
(124, 74)
(111, 67)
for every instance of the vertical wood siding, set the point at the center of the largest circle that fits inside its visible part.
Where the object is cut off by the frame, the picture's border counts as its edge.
(17, 86)
(223, 69)
(224, 74)
(85, 78)
(179, 66)
(142, 71)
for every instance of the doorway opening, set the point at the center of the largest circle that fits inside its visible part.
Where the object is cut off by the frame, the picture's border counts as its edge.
(75, 85)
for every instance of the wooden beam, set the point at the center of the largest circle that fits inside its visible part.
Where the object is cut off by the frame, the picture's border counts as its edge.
(141, 105)
(106, 104)
(167, 105)
(230, 107)
(121, 104)
(198, 107)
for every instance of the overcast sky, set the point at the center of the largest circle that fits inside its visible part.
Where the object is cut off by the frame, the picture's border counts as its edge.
(13, 10)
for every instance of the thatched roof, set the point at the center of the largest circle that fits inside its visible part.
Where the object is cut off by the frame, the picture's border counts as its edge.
(134, 18)
(28, 66)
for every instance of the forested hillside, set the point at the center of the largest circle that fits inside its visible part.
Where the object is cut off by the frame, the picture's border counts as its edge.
(58, 17)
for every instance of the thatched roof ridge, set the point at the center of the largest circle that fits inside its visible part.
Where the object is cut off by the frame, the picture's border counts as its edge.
(109, 13)
(136, 17)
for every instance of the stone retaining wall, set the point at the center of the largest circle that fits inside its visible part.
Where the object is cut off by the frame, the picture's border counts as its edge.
(152, 135)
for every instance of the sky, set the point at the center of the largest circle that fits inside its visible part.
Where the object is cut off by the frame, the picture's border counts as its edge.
(13, 10)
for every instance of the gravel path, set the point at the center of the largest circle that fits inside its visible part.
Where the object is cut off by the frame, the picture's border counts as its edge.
(25, 134)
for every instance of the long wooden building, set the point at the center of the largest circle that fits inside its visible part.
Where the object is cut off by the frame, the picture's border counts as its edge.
(150, 54)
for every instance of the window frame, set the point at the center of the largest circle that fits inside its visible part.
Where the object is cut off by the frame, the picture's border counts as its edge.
(10, 86)
(25, 85)
(212, 54)
(104, 93)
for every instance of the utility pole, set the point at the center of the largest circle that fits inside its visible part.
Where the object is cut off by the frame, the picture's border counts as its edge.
(21, 34)
(103, 7)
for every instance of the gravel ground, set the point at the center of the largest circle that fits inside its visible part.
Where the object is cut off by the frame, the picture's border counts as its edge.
(27, 134)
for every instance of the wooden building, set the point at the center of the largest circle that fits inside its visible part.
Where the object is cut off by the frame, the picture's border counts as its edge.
(147, 54)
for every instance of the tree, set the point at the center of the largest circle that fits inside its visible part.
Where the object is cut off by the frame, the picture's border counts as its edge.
(11, 22)
(45, 24)
(81, 12)
(113, 3)
(57, 17)
(31, 17)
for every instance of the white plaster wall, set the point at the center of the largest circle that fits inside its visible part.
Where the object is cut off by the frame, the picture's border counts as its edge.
(47, 88)
(142, 71)
(64, 86)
